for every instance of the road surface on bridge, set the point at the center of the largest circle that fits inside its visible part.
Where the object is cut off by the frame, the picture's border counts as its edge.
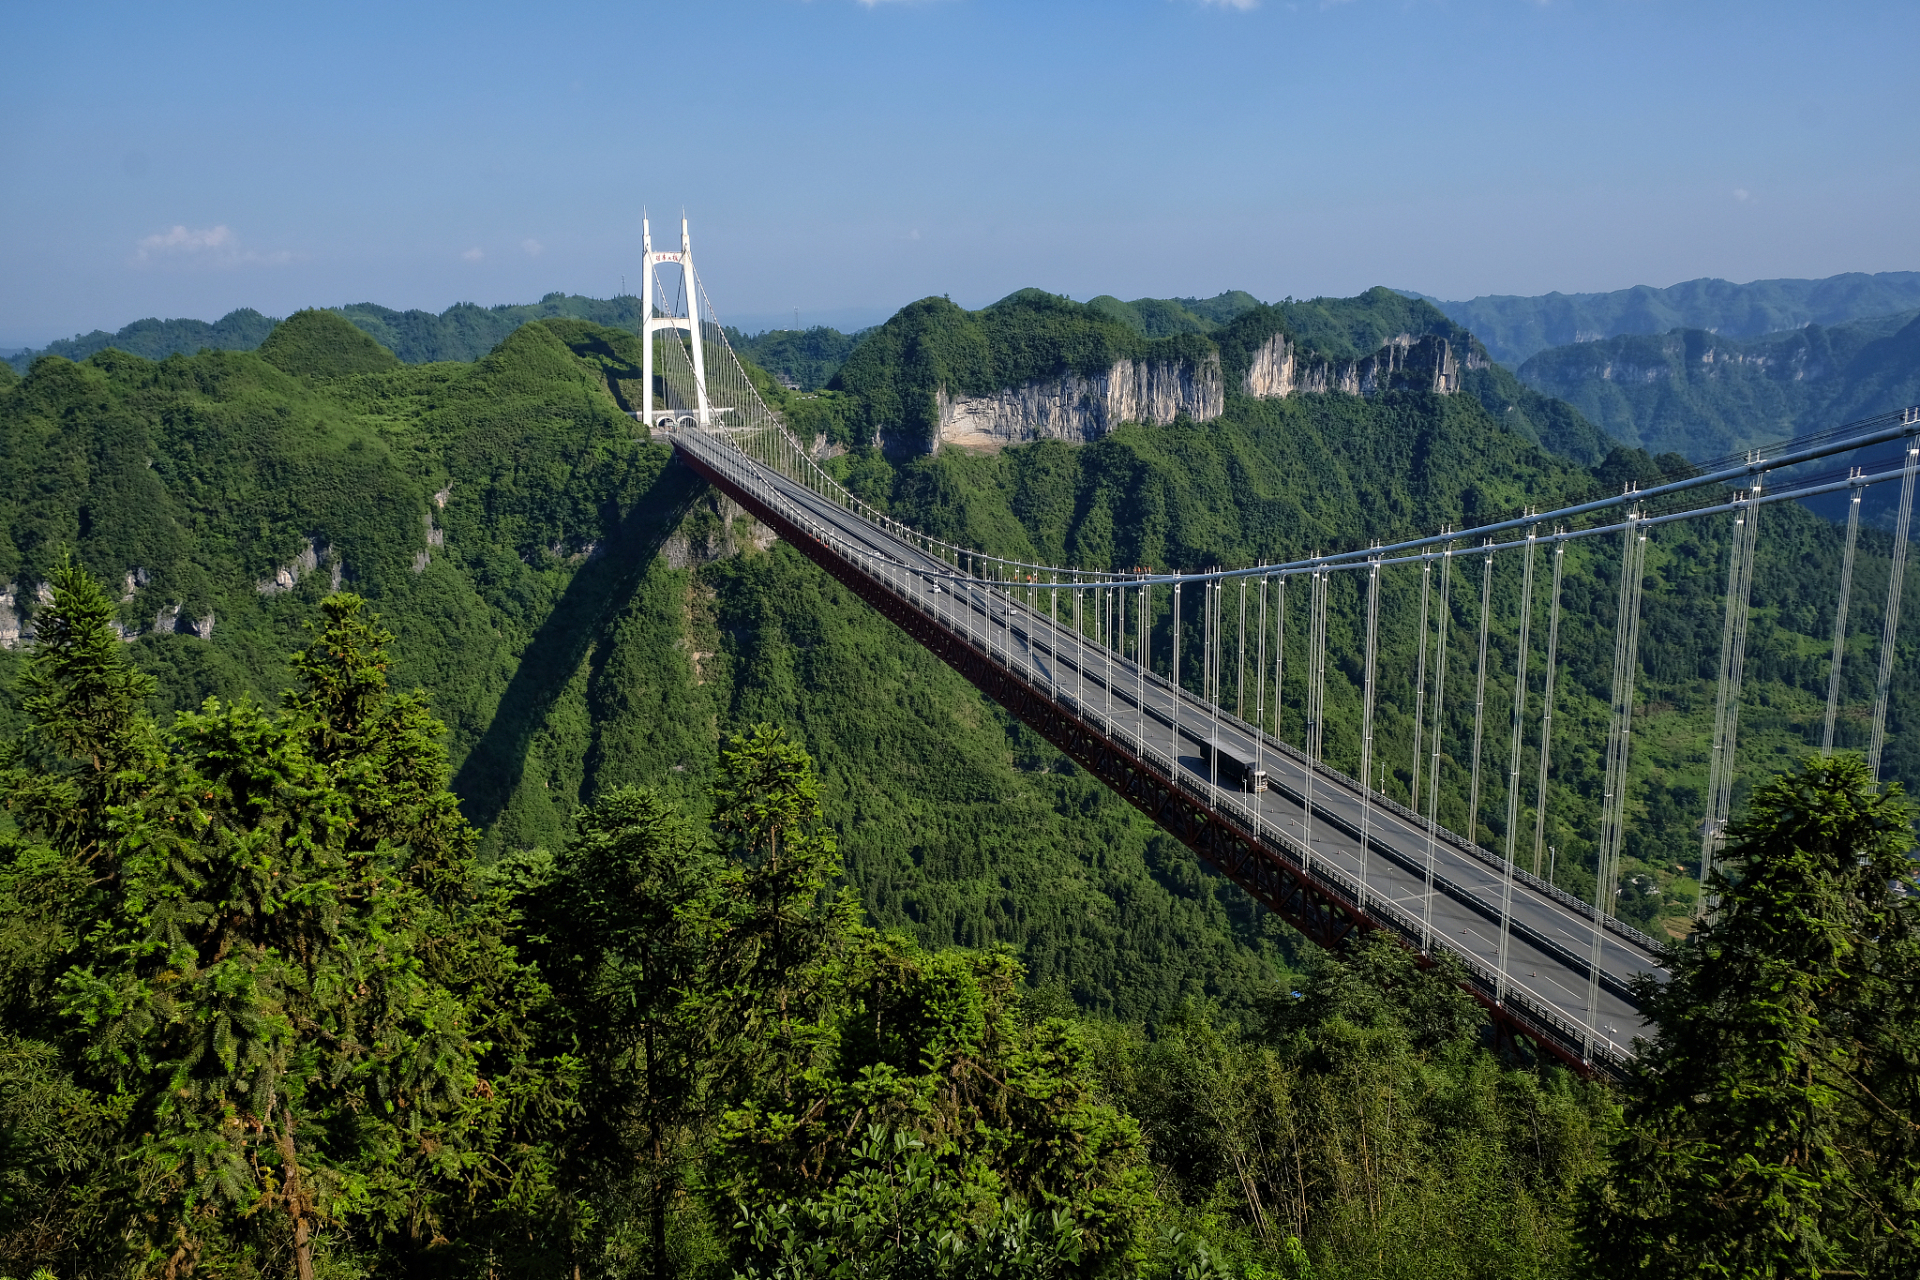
(1551, 939)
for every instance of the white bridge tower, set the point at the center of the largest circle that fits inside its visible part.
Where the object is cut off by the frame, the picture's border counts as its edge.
(651, 324)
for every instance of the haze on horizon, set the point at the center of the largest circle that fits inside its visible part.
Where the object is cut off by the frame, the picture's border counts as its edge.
(843, 158)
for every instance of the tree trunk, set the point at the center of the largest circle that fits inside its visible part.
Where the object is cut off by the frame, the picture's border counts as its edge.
(295, 1192)
(659, 1205)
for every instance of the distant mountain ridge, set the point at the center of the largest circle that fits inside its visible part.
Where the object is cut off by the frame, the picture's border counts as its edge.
(1704, 395)
(464, 331)
(1376, 341)
(1515, 328)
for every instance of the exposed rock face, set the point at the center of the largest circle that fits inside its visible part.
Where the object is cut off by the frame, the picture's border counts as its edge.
(726, 530)
(10, 620)
(287, 576)
(1079, 409)
(1681, 355)
(1405, 363)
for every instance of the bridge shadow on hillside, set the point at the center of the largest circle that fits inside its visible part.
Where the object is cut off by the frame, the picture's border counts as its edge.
(598, 594)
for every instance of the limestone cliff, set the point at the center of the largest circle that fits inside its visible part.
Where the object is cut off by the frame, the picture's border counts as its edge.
(1079, 409)
(1407, 363)
(1070, 407)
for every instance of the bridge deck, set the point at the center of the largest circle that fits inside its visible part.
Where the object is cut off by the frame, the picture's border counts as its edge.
(1551, 938)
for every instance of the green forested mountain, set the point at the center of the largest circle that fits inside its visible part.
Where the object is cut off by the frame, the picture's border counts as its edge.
(571, 602)
(1515, 327)
(467, 332)
(585, 618)
(1164, 317)
(806, 357)
(461, 332)
(1703, 395)
(241, 330)
(892, 379)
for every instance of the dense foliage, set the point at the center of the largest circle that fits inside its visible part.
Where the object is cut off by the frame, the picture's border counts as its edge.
(1164, 317)
(239, 330)
(1771, 1123)
(631, 1020)
(586, 619)
(261, 1012)
(932, 348)
(808, 358)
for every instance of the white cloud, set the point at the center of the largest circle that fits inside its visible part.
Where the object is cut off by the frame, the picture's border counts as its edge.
(1742, 194)
(473, 255)
(533, 247)
(181, 240)
(215, 246)
(1241, 5)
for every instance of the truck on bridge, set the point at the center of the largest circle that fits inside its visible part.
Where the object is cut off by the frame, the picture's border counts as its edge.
(1232, 767)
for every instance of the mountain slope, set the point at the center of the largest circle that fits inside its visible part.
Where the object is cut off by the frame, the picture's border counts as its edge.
(899, 383)
(584, 614)
(461, 332)
(1704, 395)
(1515, 328)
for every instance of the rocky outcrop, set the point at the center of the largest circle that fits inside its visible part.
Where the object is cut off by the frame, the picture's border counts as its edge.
(287, 576)
(11, 623)
(1690, 355)
(714, 530)
(1406, 363)
(17, 614)
(1079, 409)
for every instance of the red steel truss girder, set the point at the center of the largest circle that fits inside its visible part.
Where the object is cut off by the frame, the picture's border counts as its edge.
(1316, 909)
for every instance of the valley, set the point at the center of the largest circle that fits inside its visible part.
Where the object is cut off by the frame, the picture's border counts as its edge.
(585, 616)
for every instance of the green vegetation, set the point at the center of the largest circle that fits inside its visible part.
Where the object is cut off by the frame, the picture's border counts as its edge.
(891, 382)
(240, 330)
(467, 332)
(932, 347)
(1697, 393)
(684, 997)
(261, 1013)
(461, 332)
(1770, 1128)
(1165, 317)
(1514, 328)
(319, 344)
(807, 357)
(587, 619)
(249, 960)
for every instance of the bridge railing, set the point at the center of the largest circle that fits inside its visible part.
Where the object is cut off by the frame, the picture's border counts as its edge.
(1598, 1045)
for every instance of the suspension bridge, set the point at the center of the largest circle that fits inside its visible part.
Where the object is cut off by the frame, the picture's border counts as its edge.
(1168, 687)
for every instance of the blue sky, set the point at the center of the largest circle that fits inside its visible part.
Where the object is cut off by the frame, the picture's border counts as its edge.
(843, 158)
